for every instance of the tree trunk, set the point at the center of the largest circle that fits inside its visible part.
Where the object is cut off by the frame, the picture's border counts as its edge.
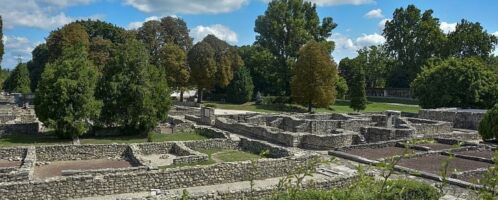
(199, 95)
(181, 95)
(76, 140)
(310, 107)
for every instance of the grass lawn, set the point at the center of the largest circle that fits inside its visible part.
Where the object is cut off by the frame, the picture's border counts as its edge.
(340, 106)
(26, 140)
(219, 155)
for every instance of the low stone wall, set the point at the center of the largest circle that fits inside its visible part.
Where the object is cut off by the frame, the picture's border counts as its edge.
(257, 147)
(23, 173)
(328, 141)
(14, 152)
(81, 152)
(430, 127)
(183, 110)
(86, 186)
(155, 148)
(379, 134)
(211, 144)
(21, 128)
(466, 119)
(103, 172)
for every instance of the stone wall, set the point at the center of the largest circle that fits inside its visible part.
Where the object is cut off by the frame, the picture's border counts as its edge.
(212, 144)
(379, 134)
(461, 118)
(25, 171)
(81, 152)
(430, 127)
(257, 147)
(21, 128)
(328, 141)
(115, 183)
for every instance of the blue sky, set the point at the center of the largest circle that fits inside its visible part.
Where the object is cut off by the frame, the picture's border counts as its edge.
(28, 22)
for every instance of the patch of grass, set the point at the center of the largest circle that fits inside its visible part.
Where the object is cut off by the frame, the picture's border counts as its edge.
(341, 106)
(31, 140)
(127, 139)
(156, 137)
(235, 155)
(206, 162)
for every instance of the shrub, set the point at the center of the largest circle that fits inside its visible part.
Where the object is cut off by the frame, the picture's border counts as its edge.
(465, 83)
(488, 128)
(413, 190)
(241, 88)
(341, 87)
(210, 105)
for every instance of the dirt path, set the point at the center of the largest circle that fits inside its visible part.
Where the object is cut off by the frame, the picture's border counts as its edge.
(55, 168)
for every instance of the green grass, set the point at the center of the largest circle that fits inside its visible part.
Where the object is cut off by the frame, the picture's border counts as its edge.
(48, 138)
(235, 155)
(340, 106)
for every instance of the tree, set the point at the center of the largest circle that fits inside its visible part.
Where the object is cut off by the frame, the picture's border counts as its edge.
(149, 34)
(65, 99)
(285, 27)
(18, 81)
(411, 39)
(259, 61)
(174, 62)
(100, 52)
(37, 63)
(465, 83)
(66, 37)
(488, 127)
(357, 91)
(1, 39)
(346, 69)
(203, 67)
(314, 77)
(341, 87)
(104, 30)
(135, 93)
(470, 39)
(241, 88)
(227, 60)
(375, 62)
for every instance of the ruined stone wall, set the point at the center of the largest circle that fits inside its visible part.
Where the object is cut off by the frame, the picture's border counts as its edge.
(212, 144)
(430, 127)
(85, 186)
(14, 152)
(21, 128)
(257, 147)
(466, 119)
(25, 171)
(155, 147)
(328, 141)
(81, 152)
(379, 134)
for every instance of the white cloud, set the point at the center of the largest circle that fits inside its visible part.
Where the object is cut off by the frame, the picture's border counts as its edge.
(135, 25)
(495, 33)
(168, 7)
(220, 31)
(369, 40)
(382, 24)
(16, 48)
(336, 2)
(447, 27)
(347, 47)
(375, 13)
(43, 14)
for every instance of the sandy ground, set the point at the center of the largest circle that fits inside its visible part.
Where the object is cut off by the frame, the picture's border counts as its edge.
(6, 163)
(155, 160)
(230, 112)
(55, 168)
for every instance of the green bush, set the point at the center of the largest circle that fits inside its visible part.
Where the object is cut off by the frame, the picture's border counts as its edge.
(241, 88)
(210, 105)
(341, 87)
(488, 128)
(408, 189)
(464, 83)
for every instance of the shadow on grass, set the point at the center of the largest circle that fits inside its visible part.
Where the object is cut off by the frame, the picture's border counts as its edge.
(26, 139)
(282, 108)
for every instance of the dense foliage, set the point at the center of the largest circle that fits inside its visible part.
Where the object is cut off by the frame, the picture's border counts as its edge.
(357, 92)
(65, 100)
(18, 80)
(135, 93)
(260, 63)
(470, 39)
(464, 83)
(488, 127)
(275, 34)
(241, 88)
(2, 51)
(203, 67)
(174, 63)
(39, 58)
(314, 77)
(341, 87)
(227, 60)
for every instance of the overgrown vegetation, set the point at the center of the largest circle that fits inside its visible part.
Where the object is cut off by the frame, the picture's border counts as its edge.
(488, 127)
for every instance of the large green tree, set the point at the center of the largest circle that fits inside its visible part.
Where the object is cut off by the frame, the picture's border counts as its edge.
(357, 91)
(69, 35)
(314, 77)
(260, 63)
(39, 58)
(1, 39)
(375, 62)
(412, 38)
(135, 93)
(18, 80)
(470, 39)
(227, 60)
(285, 27)
(174, 62)
(241, 88)
(465, 83)
(202, 62)
(65, 100)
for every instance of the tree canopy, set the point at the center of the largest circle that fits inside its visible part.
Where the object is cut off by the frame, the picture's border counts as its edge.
(135, 93)
(65, 99)
(39, 58)
(260, 63)
(18, 80)
(241, 88)
(174, 63)
(464, 83)
(314, 77)
(2, 51)
(201, 59)
(470, 39)
(488, 127)
(285, 27)
(357, 91)
(227, 60)
(66, 37)
(412, 38)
